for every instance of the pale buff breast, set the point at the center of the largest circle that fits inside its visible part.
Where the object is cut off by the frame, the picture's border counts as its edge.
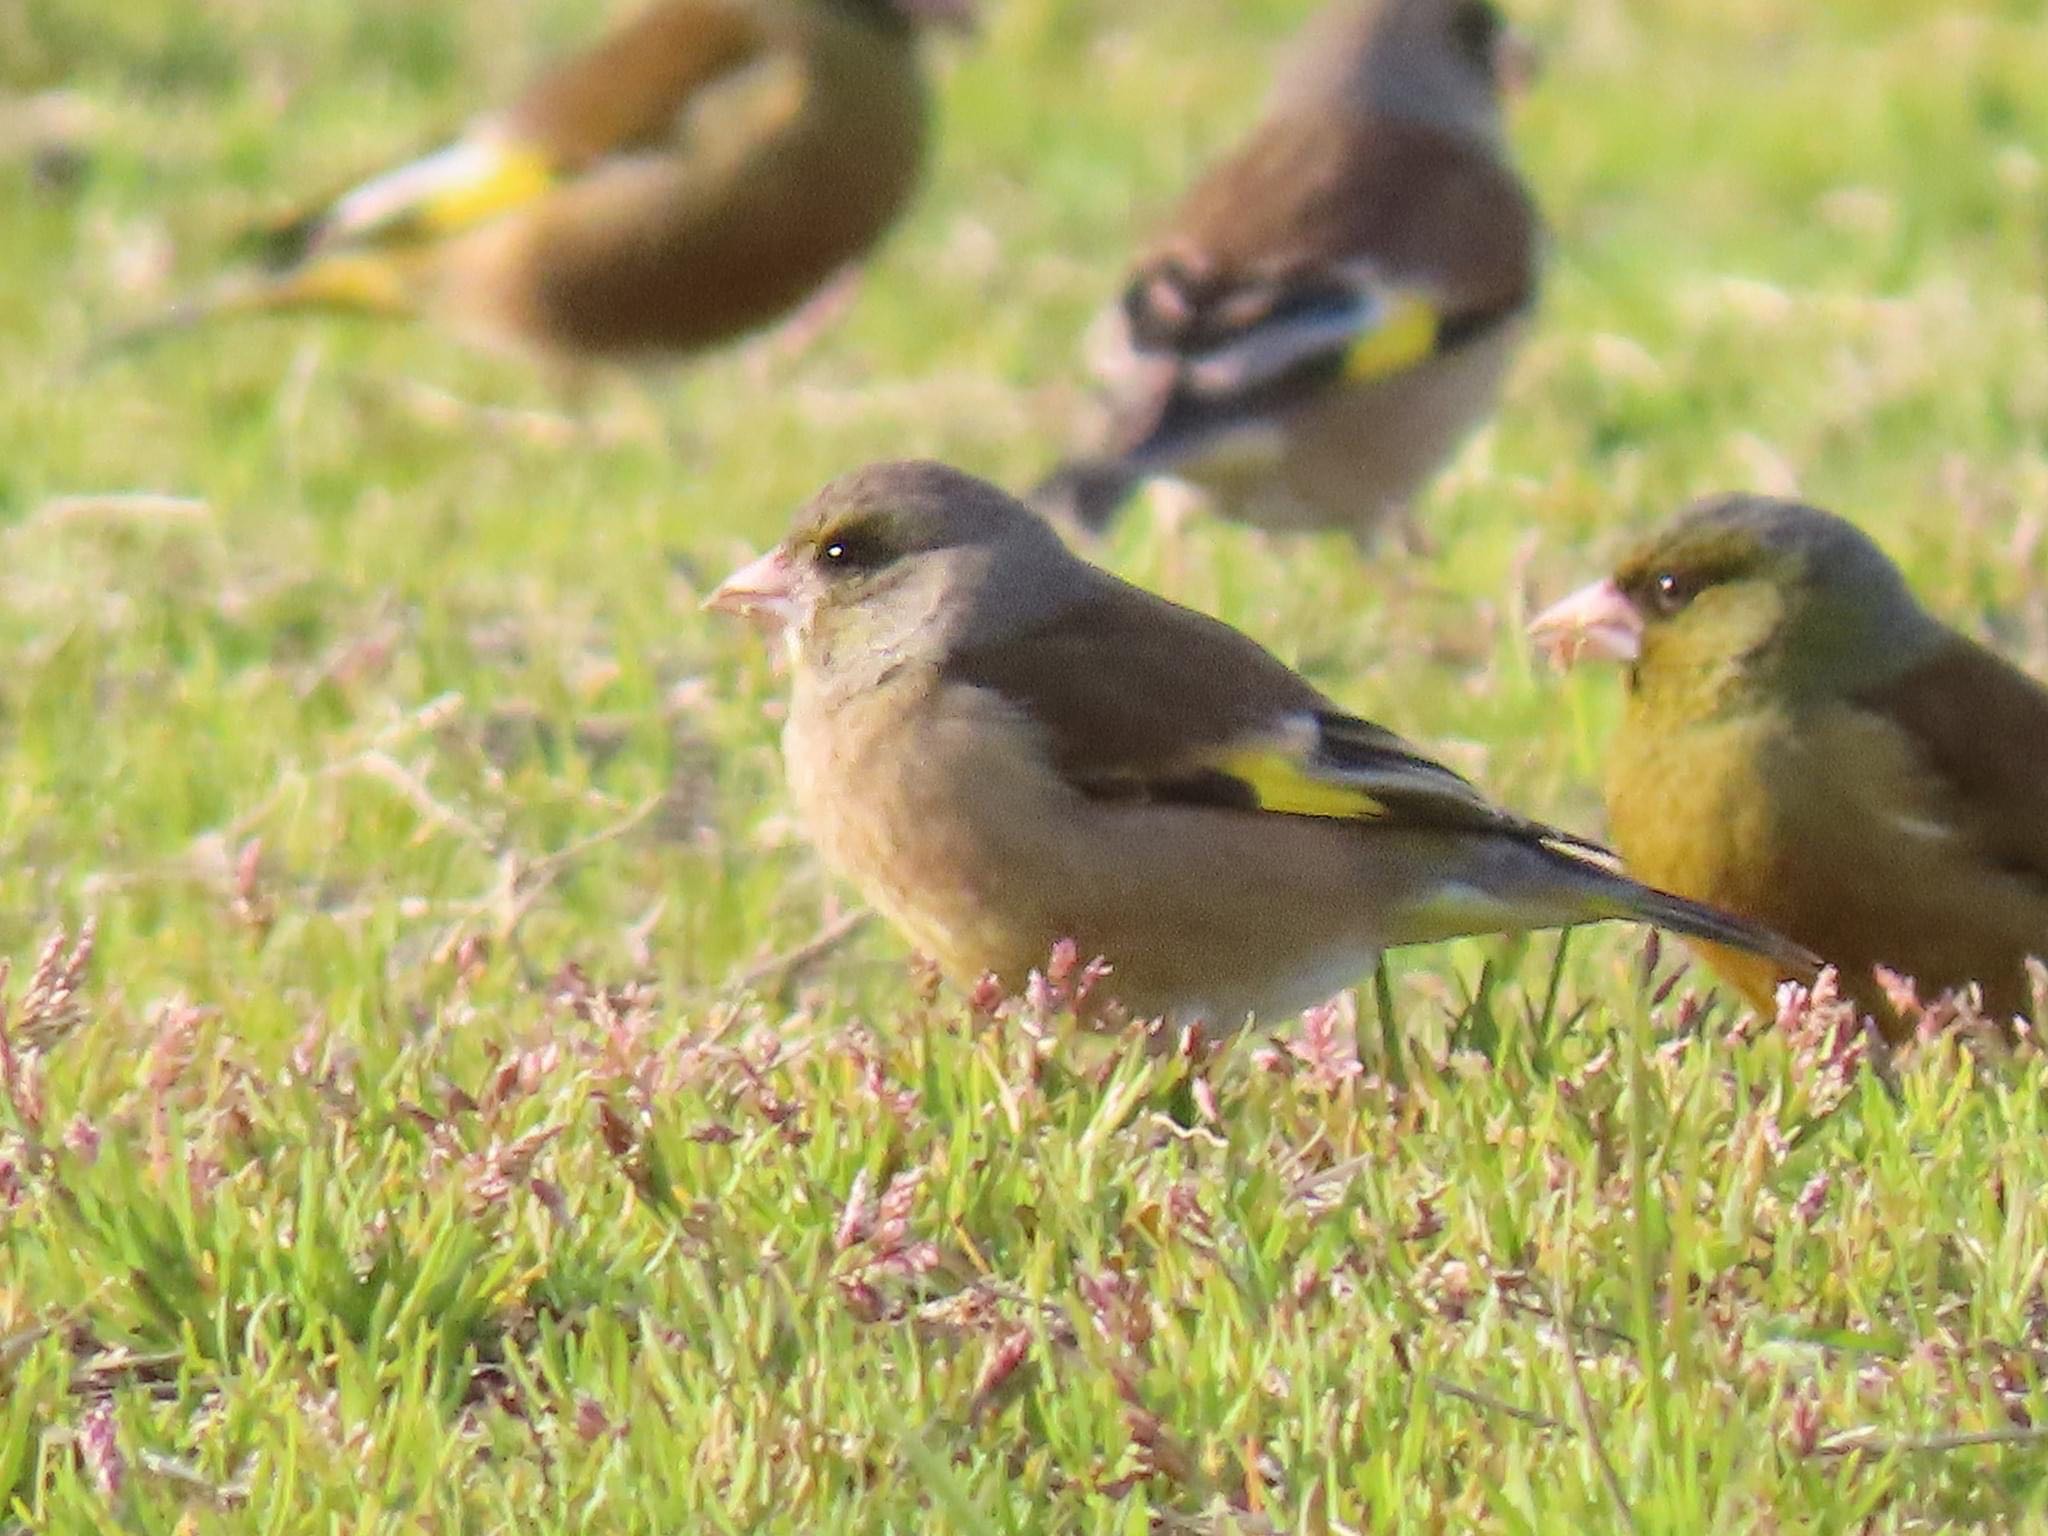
(1360, 455)
(950, 823)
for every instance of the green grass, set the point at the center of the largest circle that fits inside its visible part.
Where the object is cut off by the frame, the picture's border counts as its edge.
(416, 1155)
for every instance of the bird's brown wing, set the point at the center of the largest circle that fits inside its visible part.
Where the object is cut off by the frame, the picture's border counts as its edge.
(627, 90)
(1139, 699)
(1316, 192)
(626, 93)
(1980, 725)
(1128, 685)
(1328, 248)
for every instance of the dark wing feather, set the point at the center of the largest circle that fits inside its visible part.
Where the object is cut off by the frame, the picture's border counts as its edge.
(1270, 230)
(1131, 690)
(1418, 791)
(1981, 725)
(1322, 233)
(1139, 699)
(627, 90)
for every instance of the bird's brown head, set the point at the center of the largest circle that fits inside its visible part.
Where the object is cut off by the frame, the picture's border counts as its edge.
(1744, 592)
(1443, 63)
(900, 562)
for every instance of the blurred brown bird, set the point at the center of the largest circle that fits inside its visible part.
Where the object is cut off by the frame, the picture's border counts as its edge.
(1004, 746)
(1806, 745)
(695, 175)
(1334, 306)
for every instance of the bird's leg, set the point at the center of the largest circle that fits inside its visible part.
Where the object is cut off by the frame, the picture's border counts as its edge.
(1174, 505)
(633, 411)
(437, 407)
(1393, 1044)
(1414, 539)
(796, 335)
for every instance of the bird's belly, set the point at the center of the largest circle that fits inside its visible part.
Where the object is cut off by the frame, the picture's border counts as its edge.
(1360, 453)
(1197, 923)
(1215, 916)
(1313, 978)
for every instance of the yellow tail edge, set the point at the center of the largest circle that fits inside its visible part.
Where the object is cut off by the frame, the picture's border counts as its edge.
(356, 284)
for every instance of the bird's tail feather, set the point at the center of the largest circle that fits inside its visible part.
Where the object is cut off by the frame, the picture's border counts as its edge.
(1597, 886)
(1632, 900)
(1084, 493)
(286, 243)
(356, 283)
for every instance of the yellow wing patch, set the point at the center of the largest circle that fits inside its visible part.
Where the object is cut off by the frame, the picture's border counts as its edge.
(1282, 784)
(518, 176)
(468, 183)
(1405, 338)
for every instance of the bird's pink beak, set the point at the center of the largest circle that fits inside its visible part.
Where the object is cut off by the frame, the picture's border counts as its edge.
(1598, 621)
(763, 590)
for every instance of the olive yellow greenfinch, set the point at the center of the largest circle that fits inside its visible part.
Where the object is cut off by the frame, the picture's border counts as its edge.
(1805, 744)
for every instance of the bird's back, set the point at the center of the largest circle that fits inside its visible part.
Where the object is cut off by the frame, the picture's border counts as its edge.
(772, 179)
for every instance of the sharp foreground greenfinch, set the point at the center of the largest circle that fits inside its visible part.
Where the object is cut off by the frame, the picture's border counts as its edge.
(1004, 746)
(1804, 744)
(1333, 307)
(693, 176)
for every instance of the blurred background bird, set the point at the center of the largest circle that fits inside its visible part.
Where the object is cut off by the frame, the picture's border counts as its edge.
(1333, 307)
(1804, 744)
(1004, 746)
(697, 174)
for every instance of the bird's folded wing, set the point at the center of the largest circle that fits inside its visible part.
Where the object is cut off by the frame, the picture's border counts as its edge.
(452, 189)
(1329, 248)
(1370, 241)
(1137, 699)
(1336, 321)
(1980, 727)
(627, 92)
(624, 96)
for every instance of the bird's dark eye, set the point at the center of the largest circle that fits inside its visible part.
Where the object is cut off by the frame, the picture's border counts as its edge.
(1670, 592)
(852, 549)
